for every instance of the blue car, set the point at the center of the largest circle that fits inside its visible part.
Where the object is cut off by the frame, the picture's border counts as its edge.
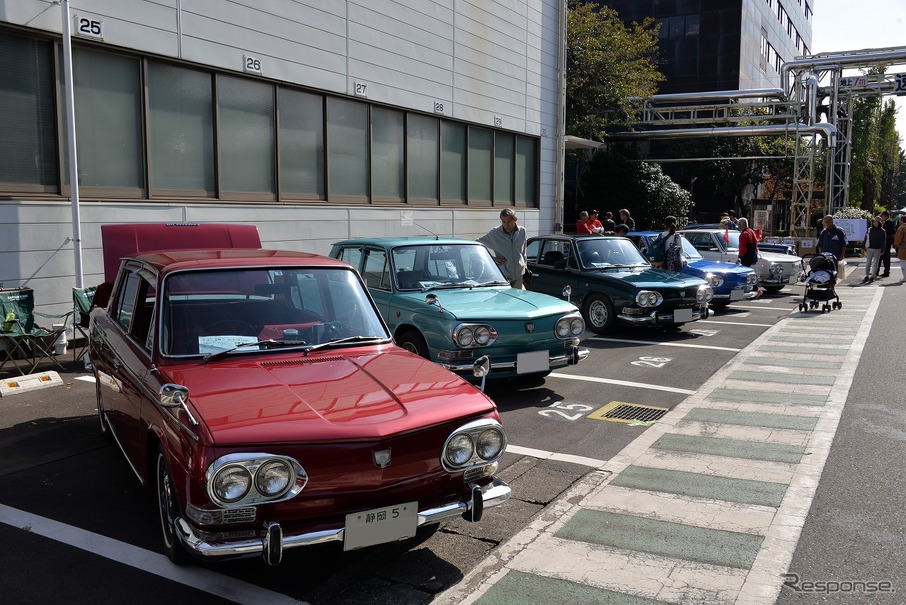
(730, 282)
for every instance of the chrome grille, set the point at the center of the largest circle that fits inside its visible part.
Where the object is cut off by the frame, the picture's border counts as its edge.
(239, 515)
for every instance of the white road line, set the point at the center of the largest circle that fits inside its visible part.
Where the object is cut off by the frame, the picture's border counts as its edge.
(732, 323)
(195, 577)
(665, 344)
(763, 307)
(625, 383)
(85, 378)
(545, 455)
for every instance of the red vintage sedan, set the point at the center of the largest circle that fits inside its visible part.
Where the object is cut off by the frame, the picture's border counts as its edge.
(258, 393)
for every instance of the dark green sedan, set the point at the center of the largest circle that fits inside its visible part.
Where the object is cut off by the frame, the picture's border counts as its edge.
(613, 284)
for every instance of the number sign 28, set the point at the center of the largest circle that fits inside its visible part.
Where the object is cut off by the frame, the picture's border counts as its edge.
(652, 362)
(88, 27)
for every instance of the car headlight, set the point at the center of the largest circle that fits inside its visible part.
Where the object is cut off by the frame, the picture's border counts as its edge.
(704, 294)
(273, 478)
(468, 336)
(232, 483)
(776, 269)
(648, 298)
(569, 326)
(475, 444)
(751, 278)
(715, 280)
(254, 478)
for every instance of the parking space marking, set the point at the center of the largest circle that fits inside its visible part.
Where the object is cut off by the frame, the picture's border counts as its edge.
(733, 323)
(625, 383)
(545, 455)
(764, 307)
(665, 344)
(194, 577)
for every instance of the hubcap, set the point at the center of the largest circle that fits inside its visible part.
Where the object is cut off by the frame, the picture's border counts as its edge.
(597, 314)
(165, 499)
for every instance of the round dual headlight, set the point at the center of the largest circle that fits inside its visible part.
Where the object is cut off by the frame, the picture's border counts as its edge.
(465, 337)
(751, 278)
(273, 478)
(776, 269)
(459, 450)
(576, 326)
(715, 280)
(490, 443)
(474, 335)
(482, 335)
(704, 294)
(232, 483)
(648, 298)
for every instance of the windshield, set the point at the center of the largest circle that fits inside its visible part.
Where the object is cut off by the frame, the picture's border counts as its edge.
(598, 253)
(448, 265)
(209, 311)
(689, 250)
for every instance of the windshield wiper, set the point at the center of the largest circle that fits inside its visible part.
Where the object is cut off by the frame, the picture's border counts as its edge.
(270, 343)
(495, 282)
(442, 286)
(338, 342)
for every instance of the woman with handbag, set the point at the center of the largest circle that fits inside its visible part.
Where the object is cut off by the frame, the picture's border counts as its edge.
(748, 244)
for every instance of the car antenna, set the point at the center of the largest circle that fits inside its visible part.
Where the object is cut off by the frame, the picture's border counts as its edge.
(436, 236)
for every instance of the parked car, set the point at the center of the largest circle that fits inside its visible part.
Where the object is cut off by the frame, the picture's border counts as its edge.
(730, 281)
(612, 283)
(774, 270)
(766, 246)
(259, 395)
(446, 300)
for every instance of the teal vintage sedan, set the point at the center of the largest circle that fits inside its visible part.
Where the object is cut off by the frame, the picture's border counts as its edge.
(446, 300)
(613, 283)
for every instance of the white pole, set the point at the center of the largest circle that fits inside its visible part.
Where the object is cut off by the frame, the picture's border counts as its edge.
(69, 97)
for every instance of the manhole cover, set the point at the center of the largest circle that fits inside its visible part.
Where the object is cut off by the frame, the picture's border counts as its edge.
(618, 411)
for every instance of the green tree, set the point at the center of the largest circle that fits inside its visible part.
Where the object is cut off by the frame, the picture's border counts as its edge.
(607, 63)
(889, 152)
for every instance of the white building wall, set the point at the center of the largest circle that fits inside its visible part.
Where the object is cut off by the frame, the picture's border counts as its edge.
(492, 63)
(758, 15)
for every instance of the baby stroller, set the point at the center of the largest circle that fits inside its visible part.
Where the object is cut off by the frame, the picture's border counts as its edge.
(820, 283)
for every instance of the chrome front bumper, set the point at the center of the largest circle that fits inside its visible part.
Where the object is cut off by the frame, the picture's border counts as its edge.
(655, 318)
(745, 296)
(274, 542)
(573, 356)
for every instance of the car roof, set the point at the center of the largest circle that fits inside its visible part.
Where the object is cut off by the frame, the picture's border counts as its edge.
(173, 260)
(390, 242)
(576, 237)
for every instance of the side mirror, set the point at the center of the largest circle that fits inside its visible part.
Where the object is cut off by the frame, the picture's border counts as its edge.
(567, 291)
(173, 395)
(481, 368)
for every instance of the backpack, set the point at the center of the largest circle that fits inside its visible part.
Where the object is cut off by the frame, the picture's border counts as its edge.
(674, 260)
(657, 250)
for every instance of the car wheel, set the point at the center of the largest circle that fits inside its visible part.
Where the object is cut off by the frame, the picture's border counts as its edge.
(168, 505)
(599, 315)
(773, 289)
(413, 342)
(102, 417)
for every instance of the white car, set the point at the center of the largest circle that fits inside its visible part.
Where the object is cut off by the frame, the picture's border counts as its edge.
(774, 270)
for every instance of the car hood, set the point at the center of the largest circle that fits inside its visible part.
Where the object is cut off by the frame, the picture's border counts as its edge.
(489, 304)
(651, 279)
(778, 257)
(712, 266)
(325, 397)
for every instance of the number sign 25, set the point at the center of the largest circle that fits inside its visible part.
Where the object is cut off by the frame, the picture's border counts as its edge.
(652, 362)
(89, 28)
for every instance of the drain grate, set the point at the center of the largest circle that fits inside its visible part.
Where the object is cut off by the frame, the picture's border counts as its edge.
(618, 411)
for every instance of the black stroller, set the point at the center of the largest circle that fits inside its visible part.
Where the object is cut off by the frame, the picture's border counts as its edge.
(820, 283)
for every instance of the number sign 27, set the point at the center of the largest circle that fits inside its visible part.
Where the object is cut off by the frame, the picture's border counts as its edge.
(91, 28)
(652, 362)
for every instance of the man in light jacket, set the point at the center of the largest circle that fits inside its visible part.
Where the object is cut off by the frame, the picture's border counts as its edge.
(507, 242)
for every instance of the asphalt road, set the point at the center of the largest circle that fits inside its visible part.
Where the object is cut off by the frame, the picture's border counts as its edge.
(78, 528)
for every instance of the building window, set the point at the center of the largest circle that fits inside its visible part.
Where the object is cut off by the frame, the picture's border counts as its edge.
(526, 154)
(301, 143)
(504, 162)
(453, 161)
(347, 146)
(422, 145)
(481, 147)
(108, 114)
(181, 129)
(387, 153)
(28, 144)
(246, 135)
(808, 12)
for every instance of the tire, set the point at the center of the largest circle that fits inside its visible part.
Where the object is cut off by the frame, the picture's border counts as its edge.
(773, 289)
(413, 342)
(102, 417)
(168, 509)
(598, 314)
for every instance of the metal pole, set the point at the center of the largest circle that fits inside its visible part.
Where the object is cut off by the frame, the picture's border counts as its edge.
(69, 98)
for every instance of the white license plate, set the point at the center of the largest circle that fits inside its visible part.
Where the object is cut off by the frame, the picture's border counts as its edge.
(533, 361)
(735, 294)
(380, 525)
(682, 315)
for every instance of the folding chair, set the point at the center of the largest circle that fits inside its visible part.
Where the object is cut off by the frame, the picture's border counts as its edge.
(81, 304)
(20, 337)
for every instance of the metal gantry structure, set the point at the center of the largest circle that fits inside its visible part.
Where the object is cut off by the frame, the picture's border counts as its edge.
(815, 87)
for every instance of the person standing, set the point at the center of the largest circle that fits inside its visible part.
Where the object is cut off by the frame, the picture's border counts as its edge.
(673, 247)
(608, 223)
(874, 246)
(734, 223)
(507, 242)
(748, 244)
(582, 227)
(890, 229)
(593, 223)
(627, 220)
(899, 244)
(832, 239)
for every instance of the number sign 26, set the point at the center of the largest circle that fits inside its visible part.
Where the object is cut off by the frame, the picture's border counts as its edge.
(90, 28)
